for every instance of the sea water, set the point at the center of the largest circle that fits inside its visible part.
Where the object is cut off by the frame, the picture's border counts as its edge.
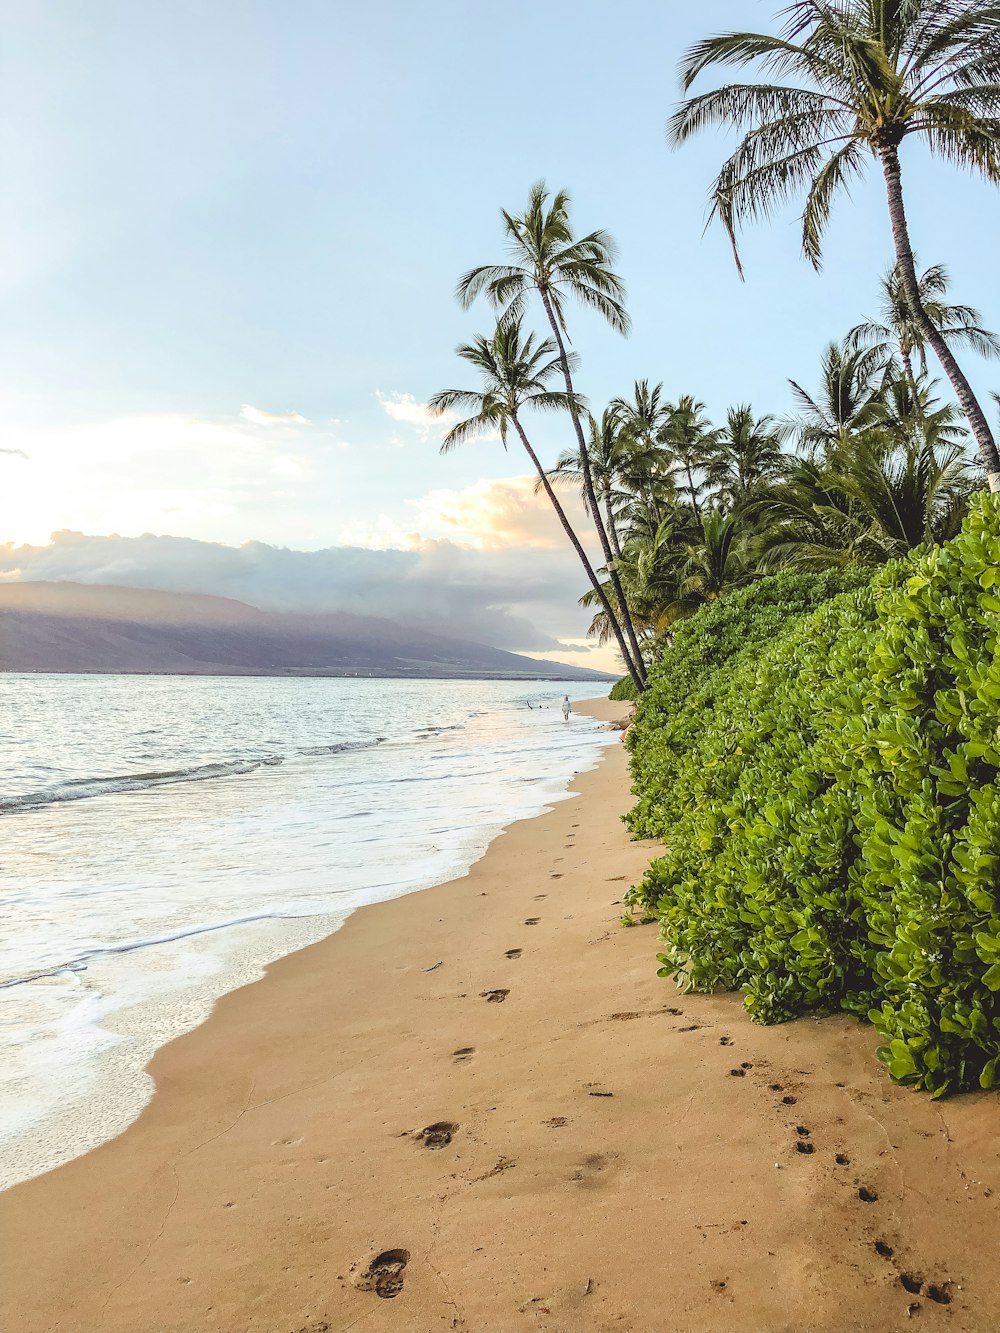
(163, 838)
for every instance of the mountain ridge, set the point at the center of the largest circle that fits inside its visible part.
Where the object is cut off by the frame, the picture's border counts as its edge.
(66, 627)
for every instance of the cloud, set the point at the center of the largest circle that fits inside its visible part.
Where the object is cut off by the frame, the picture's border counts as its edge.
(15, 453)
(259, 417)
(509, 598)
(494, 515)
(405, 408)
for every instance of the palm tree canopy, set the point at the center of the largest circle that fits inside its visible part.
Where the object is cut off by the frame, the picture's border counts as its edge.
(746, 456)
(515, 372)
(546, 257)
(853, 77)
(898, 327)
(850, 396)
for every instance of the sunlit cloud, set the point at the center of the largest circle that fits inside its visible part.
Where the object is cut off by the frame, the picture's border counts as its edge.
(15, 453)
(261, 418)
(125, 473)
(499, 515)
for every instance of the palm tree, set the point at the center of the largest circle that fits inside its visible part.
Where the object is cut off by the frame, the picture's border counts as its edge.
(689, 442)
(645, 466)
(869, 73)
(515, 374)
(716, 561)
(550, 260)
(610, 451)
(872, 495)
(897, 330)
(747, 456)
(849, 397)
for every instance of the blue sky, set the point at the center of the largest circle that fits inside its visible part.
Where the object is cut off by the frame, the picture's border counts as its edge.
(211, 205)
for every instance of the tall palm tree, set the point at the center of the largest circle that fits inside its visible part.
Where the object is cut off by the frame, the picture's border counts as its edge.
(550, 260)
(747, 456)
(897, 331)
(689, 442)
(869, 73)
(515, 376)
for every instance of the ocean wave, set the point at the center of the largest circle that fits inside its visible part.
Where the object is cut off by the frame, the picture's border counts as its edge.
(342, 747)
(83, 960)
(81, 789)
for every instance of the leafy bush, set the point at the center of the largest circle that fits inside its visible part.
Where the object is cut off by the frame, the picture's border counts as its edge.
(684, 684)
(833, 827)
(622, 690)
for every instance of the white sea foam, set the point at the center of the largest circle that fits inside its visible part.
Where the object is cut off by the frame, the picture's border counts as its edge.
(130, 908)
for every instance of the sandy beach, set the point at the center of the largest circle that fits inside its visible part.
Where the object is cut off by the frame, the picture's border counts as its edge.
(477, 1108)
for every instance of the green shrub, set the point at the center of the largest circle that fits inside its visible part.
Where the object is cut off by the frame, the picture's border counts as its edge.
(684, 684)
(622, 690)
(833, 827)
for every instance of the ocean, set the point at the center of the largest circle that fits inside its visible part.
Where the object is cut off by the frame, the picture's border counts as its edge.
(164, 838)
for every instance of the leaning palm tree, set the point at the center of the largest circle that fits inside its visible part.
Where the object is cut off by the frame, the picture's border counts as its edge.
(897, 331)
(868, 74)
(550, 260)
(515, 376)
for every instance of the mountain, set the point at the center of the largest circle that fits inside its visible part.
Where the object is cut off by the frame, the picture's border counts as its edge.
(77, 627)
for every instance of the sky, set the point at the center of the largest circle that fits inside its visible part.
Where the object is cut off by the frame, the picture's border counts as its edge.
(231, 231)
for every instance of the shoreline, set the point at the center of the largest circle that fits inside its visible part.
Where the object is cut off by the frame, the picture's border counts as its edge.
(604, 1153)
(78, 1107)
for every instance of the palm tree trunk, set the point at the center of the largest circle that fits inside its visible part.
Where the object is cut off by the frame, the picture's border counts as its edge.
(595, 582)
(612, 526)
(588, 481)
(911, 379)
(908, 275)
(691, 490)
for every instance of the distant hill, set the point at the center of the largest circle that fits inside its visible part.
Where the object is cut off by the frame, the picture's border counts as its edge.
(78, 627)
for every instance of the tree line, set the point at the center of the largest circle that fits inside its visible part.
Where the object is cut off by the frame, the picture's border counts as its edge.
(874, 461)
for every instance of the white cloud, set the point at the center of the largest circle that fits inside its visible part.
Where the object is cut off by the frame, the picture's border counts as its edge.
(259, 417)
(15, 453)
(405, 408)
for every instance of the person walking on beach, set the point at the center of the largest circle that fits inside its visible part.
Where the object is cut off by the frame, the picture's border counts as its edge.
(565, 707)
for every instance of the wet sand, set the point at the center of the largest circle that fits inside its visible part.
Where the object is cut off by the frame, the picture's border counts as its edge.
(477, 1108)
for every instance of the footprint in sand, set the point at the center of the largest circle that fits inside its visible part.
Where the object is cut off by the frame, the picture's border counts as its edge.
(438, 1135)
(866, 1195)
(540, 896)
(463, 1054)
(725, 1041)
(513, 953)
(842, 1159)
(592, 1171)
(804, 1146)
(556, 1121)
(384, 1275)
(556, 874)
(494, 996)
(532, 920)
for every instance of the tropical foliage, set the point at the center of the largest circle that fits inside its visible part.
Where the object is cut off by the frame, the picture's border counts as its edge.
(807, 605)
(827, 787)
